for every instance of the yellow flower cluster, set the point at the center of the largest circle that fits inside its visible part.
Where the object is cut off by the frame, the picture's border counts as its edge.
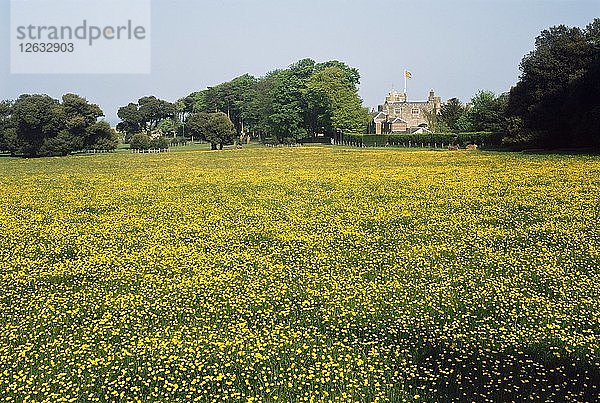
(301, 274)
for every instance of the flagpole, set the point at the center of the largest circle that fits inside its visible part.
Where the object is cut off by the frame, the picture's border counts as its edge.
(404, 81)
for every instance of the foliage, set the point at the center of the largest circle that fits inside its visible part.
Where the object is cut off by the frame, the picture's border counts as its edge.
(487, 112)
(145, 116)
(367, 140)
(289, 109)
(7, 129)
(37, 118)
(485, 139)
(216, 128)
(140, 141)
(302, 100)
(169, 127)
(100, 136)
(334, 103)
(160, 143)
(233, 98)
(555, 99)
(79, 114)
(40, 126)
(450, 114)
(300, 273)
(131, 120)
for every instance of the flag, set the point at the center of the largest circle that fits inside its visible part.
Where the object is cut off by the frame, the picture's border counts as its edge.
(407, 74)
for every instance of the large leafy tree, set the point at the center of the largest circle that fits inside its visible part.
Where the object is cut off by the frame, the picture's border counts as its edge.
(153, 111)
(216, 128)
(41, 125)
(551, 82)
(145, 116)
(289, 118)
(7, 131)
(79, 116)
(351, 74)
(233, 98)
(38, 120)
(100, 136)
(334, 103)
(581, 108)
(131, 120)
(486, 113)
(450, 114)
(261, 105)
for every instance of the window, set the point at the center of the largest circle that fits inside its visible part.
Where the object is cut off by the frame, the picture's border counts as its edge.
(416, 112)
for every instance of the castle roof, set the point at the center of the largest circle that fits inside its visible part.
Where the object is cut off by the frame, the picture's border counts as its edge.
(380, 116)
(407, 102)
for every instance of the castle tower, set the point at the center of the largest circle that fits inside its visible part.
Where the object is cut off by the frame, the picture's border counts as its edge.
(395, 96)
(435, 101)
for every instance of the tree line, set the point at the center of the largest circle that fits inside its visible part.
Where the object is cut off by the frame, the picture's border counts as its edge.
(303, 100)
(39, 125)
(555, 103)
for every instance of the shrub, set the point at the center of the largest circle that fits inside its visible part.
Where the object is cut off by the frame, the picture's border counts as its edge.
(141, 142)
(487, 139)
(315, 140)
(160, 143)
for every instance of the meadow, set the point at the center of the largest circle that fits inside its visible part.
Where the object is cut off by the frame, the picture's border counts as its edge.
(300, 274)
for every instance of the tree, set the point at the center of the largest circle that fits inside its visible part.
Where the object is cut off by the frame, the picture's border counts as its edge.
(581, 108)
(216, 128)
(79, 113)
(450, 113)
(100, 136)
(140, 141)
(289, 119)
(262, 103)
(486, 113)
(131, 120)
(7, 130)
(334, 103)
(233, 98)
(197, 124)
(37, 120)
(41, 125)
(153, 110)
(145, 116)
(350, 73)
(169, 127)
(80, 116)
(551, 80)
(277, 105)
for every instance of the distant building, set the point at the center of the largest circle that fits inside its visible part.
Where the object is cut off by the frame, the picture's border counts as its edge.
(398, 115)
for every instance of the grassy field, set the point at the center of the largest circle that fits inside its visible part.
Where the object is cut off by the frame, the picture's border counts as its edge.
(300, 274)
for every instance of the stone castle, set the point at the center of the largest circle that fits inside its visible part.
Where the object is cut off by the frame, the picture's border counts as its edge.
(398, 115)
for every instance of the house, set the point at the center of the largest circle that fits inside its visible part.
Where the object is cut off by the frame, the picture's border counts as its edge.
(398, 115)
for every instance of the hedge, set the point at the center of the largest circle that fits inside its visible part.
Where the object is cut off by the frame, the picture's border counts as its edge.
(482, 139)
(315, 140)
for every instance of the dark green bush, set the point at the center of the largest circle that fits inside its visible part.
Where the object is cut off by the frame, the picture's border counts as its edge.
(315, 140)
(140, 142)
(160, 143)
(482, 139)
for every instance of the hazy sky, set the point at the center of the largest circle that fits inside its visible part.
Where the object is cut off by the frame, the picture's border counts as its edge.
(455, 47)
